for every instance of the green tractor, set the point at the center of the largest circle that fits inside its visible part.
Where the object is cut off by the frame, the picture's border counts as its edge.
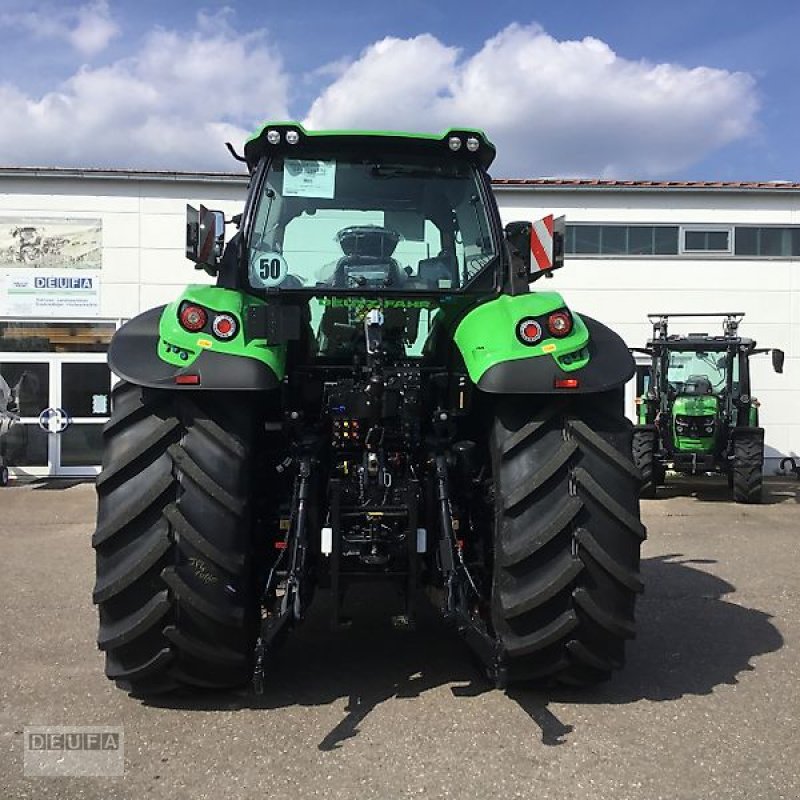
(697, 414)
(371, 393)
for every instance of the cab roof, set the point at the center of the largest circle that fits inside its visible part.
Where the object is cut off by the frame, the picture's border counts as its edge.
(271, 138)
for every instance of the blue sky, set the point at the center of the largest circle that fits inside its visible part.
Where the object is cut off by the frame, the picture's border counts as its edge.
(681, 90)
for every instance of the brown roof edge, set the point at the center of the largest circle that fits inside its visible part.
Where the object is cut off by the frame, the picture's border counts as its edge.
(601, 183)
(121, 174)
(545, 183)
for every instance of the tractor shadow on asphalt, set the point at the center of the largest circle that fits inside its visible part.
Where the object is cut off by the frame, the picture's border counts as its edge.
(58, 484)
(690, 640)
(714, 489)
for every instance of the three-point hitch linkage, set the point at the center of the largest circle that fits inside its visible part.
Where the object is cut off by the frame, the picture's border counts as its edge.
(376, 499)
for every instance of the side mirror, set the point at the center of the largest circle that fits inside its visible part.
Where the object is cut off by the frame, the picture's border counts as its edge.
(777, 360)
(536, 248)
(205, 238)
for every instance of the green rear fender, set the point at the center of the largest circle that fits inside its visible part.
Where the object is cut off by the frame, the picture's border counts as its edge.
(499, 362)
(154, 350)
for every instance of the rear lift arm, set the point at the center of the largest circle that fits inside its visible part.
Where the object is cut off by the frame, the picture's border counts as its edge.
(459, 584)
(292, 608)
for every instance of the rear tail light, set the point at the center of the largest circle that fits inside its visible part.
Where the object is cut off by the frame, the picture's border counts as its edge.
(559, 324)
(193, 318)
(224, 326)
(566, 383)
(187, 380)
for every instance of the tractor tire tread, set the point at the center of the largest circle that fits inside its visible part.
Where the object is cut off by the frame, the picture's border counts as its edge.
(748, 476)
(567, 538)
(176, 585)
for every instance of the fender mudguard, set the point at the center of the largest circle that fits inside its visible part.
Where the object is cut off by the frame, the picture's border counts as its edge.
(753, 432)
(610, 365)
(133, 356)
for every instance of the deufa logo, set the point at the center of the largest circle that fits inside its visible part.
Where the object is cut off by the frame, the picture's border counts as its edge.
(80, 751)
(52, 282)
(74, 741)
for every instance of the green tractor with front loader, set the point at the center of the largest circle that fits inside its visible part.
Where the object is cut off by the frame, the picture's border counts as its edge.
(370, 393)
(697, 413)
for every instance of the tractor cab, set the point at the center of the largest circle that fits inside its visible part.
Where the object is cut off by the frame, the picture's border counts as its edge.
(341, 223)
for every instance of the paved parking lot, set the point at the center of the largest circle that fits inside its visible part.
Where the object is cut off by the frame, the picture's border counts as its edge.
(707, 706)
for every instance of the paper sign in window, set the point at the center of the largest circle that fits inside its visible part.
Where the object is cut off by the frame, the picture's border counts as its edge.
(302, 178)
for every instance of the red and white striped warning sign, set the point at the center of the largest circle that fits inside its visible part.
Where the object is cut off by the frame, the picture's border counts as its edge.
(542, 242)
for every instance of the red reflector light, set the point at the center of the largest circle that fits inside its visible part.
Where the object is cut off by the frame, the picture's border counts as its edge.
(193, 318)
(188, 380)
(566, 383)
(529, 331)
(224, 326)
(280, 545)
(559, 324)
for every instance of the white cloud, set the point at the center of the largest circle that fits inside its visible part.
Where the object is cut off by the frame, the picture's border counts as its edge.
(88, 28)
(397, 83)
(94, 28)
(552, 107)
(170, 106)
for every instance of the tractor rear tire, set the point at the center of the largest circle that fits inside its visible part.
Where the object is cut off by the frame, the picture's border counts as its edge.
(567, 537)
(644, 451)
(748, 458)
(176, 585)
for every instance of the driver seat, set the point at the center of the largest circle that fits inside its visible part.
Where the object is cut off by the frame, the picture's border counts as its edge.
(439, 268)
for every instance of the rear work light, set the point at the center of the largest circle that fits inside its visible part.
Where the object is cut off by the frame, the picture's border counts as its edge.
(566, 383)
(224, 326)
(193, 318)
(559, 324)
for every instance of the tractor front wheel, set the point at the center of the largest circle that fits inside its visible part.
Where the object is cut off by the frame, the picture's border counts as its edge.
(645, 441)
(748, 458)
(567, 537)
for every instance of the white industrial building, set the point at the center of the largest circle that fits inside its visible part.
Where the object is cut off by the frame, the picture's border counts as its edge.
(83, 250)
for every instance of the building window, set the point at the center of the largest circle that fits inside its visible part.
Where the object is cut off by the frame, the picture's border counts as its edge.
(683, 240)
(622, 240)
(706, 240)
(55, 337)
(769, 242)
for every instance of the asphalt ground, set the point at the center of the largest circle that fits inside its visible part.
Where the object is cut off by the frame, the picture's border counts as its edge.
(707, 706)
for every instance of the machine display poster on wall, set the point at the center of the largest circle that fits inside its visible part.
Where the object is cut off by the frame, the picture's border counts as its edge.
(50, 266)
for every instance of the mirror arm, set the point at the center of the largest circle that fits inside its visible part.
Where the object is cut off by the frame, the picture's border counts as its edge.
(234, 153)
